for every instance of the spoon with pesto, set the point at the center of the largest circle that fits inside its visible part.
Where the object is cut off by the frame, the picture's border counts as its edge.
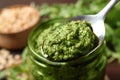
(97, 20)
(75, 38)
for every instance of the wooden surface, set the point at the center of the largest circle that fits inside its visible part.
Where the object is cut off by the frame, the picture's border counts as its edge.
(4, 3)
(113, 71)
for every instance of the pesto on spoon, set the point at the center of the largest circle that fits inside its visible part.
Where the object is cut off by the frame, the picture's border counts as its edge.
(58, 53)
(68, 41)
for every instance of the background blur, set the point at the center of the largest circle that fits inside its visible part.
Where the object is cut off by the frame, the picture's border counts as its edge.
(113, 69)
(4, 3)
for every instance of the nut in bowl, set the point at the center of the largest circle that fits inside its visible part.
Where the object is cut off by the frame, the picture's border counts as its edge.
(16, 22)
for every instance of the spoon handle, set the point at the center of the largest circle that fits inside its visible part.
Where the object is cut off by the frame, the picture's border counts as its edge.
(107, 8)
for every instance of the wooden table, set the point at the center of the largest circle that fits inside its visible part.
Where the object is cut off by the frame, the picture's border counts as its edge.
(4, 3)
(113, 71)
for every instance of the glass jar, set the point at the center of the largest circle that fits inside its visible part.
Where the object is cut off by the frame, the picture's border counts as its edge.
(88, 67)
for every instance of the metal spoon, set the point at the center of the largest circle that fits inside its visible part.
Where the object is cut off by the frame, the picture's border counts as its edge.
(97, 20)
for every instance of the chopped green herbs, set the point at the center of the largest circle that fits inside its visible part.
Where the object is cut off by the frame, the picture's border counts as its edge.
(67, 41)
(112, 22)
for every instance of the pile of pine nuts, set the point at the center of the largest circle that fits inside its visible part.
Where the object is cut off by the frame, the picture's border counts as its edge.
(8, 60)
(17, 18)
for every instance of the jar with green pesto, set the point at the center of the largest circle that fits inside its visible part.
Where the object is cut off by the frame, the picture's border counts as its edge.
(66, 50)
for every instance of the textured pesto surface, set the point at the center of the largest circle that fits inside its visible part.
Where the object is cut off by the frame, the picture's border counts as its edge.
(68, 41)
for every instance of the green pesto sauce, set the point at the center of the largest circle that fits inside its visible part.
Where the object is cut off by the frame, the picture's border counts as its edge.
(67, 41)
